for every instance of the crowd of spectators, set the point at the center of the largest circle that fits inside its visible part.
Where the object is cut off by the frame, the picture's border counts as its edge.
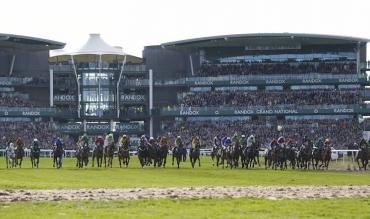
(45, 132)
(341, 132)
(244, 68)
(271, 98)
(18, 101)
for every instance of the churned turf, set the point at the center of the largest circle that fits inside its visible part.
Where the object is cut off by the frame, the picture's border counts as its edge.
(69, 176)
(191, 208)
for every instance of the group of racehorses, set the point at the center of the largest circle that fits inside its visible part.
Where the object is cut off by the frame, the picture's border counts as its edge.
(280, 155)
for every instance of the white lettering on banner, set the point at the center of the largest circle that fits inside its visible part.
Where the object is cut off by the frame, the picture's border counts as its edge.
(266, 111)
(348, 80)
(344, 110)
(132, 97)
(126, 127)
(275, 81)
(64, 98)
(189, 112)
(309, 81)
(203, 82)
(285, 111)
(5, 82)
(31, 113)
(239, 82)
(243, 112)
(97, 127)
(71, 127)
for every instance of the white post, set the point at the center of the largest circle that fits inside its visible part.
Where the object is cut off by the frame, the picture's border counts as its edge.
(119, 81)
(151, 101)
(358, 61)
(85, 125)
(78, 89)
(191, 65)
(12, 66)
(51, 87)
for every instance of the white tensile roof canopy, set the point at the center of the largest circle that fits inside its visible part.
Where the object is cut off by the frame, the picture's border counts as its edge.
(94, 49)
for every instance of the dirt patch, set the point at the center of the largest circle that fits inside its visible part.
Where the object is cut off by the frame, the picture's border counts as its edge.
(265, 192)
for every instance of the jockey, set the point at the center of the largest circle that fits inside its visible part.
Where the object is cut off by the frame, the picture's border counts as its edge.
(143, 143)
(84, 140)
(243, 141)
(319, 143)
(99, 141)
(235, 139)
(163, 141)
(273, 144)
(58, 143)
(109, 139)
(152, 142)
(281, 141)
(251, 140)
(327, 143)
(216, 142)
(178, 142)
(123, 140)
(290, 143)
(226, 143)
(195, 143)
(35, 145)
(19, 142)
(11, 149)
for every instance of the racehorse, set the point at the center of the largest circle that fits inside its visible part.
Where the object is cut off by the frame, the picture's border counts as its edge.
(98, 152)
(194, 155)
(305, 155)
(109, 153)
(58, 153)
(322, 155)
(233, 154)
(124, 154)
(82, 155)
(363, 155)
(19, 153)
(35, 156)
(291, 156)
(10, 156)
(163, 151)
(178, 153)
(249, 156)
(278, 157)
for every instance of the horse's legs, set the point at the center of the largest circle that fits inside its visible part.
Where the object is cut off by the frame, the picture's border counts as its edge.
(93, 158)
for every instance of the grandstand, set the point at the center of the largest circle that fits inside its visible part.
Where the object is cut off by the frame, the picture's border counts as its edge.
(309, 85)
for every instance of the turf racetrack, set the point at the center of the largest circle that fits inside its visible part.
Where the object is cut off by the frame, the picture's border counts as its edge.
(70, 177)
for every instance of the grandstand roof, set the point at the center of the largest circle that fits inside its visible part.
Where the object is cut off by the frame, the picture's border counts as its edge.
(262, 39)
(95, 46)
(27, 43)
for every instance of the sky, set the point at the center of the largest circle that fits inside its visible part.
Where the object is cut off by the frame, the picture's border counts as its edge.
(137, 23)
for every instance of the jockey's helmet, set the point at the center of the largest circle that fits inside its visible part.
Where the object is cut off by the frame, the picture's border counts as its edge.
(327, 141)
(243, 136)
(281, 140)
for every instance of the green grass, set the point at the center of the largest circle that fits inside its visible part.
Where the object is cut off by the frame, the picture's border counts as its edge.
(191, 208)
(71, 177)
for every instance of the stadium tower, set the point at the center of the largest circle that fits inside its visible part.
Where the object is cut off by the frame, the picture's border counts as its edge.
(24, 89)
(269, 85)
(91, 87)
